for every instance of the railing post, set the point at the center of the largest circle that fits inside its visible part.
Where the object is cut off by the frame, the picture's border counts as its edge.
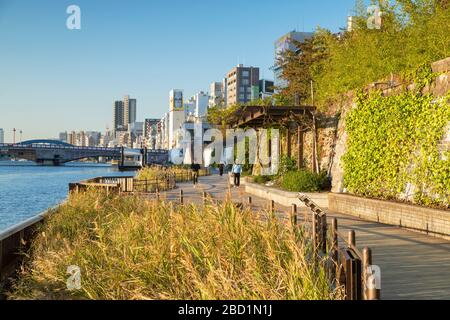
(181, 196)
(146, 186)
(324, 229)
(370, 290)
(272, 206)
(294, 218)
(249, 201)
(314, 230)
(205, 198)
(352, 238)
(229, 188)
(335, 244)
(157, 185)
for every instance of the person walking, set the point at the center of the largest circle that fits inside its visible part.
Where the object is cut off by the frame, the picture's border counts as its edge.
(195, 167)
(221, 168)
(237, 170)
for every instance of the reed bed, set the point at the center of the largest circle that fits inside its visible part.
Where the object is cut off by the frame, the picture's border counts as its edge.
(153, 173)
(131, 248)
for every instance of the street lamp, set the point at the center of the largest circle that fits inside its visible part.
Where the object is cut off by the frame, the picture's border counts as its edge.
(14, 136)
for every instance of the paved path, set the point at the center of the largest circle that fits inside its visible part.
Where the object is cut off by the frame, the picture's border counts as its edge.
(413, 266)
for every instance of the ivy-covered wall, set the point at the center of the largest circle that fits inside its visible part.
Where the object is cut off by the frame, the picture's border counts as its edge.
(392, 142)
(393, 148)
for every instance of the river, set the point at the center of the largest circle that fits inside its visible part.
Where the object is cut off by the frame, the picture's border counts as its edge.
(27, 189)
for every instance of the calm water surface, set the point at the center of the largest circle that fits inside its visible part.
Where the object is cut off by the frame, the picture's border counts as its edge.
(27, 190)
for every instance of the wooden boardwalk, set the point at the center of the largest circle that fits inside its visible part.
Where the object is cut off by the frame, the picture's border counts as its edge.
(413, 266)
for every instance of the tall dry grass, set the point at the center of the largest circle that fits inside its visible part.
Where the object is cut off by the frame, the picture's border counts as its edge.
(153, 173)
(128, 247)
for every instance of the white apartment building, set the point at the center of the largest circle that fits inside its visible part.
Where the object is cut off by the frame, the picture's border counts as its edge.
(176, 115)
(201, 104)
(217, 94)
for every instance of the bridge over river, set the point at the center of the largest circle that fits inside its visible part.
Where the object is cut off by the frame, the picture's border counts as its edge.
(52, 152)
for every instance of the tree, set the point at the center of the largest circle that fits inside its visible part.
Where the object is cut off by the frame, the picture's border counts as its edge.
(298, 68)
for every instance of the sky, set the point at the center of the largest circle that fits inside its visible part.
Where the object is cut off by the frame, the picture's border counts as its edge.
(53, 79)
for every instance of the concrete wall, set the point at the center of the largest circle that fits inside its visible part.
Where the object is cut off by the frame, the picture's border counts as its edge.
(425, 220)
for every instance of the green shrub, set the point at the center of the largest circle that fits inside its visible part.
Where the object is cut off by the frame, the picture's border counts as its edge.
(304, 181)
(262, 179)
(287, 164)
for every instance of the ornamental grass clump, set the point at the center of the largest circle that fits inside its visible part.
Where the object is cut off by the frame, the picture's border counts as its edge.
(129, 247)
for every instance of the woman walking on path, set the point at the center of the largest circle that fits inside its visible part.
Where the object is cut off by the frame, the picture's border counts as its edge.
(195, 169)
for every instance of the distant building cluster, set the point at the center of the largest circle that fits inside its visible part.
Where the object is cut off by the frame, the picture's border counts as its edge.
(242, 84)
(2, 136)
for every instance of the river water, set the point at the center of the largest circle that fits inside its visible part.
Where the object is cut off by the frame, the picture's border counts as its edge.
(27, 189)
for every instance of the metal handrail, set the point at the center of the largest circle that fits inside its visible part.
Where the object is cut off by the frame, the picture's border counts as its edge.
(350, 245)
(21, 226)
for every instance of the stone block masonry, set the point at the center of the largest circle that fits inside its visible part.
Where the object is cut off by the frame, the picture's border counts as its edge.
(429, 221)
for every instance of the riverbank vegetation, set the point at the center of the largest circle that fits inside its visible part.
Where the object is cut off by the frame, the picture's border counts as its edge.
(412, 34)
(129, 247)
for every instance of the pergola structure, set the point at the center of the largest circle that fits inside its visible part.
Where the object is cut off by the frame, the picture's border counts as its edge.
(264, 116)
(261, 116)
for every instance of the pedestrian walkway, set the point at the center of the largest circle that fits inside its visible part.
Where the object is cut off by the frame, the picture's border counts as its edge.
(413, 265)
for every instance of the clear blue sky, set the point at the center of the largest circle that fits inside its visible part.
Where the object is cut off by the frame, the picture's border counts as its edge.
(53, 79)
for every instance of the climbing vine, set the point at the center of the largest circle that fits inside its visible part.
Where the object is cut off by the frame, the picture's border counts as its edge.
(395, 148)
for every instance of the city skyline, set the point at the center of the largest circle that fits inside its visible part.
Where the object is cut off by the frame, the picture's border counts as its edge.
(71, 77)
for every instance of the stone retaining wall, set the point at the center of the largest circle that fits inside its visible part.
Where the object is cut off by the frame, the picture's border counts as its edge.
(416, 218)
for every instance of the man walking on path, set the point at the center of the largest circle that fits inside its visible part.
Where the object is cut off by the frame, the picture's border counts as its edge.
(195, 169)
(221, 168)
(237, 170)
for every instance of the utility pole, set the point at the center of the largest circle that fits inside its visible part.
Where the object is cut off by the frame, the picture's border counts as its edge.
(20, 136)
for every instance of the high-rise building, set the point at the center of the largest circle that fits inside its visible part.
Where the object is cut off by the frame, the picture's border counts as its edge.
(217, 95)
(93, 138)
(242, 85)
(63, 136)
(129, 110)
(150, 132)
(282, 45)
(201, 104)
(176, 115)
(118, 116)
(72, 138)
(189, 107)
(350, 23)
(266, 88)
(2, 136)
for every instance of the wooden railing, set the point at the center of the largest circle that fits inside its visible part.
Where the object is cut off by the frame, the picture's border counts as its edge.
(164, 182)
(351, 268)
(13, 242)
